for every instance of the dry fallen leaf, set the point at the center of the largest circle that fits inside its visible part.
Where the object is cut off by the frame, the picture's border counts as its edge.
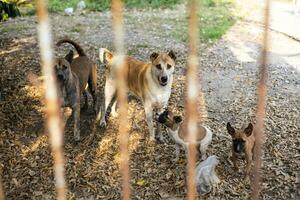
(141, 182)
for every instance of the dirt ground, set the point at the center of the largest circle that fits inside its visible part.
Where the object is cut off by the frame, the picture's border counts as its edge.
(229, 75)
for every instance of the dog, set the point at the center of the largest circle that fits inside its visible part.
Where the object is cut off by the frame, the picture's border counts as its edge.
(243, 141)
(151, 82)
(68, 88)
(86, 71)
(206, 176)
(175, 126)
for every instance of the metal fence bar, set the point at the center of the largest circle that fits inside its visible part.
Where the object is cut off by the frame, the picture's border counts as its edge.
(120, 66)
(259, 130)
(192, 96)
(2, 196)
(53, 118)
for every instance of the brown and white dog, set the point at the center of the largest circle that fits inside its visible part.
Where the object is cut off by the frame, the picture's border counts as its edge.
(73, 75)
(243, 141)
(151, 82)
(175, 126)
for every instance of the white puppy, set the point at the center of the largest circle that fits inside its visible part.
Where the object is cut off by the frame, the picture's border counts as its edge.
(206, 176)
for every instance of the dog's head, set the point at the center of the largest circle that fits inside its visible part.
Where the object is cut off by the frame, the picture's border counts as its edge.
(163, 67)
(168, 119)
(62, 67)
(239, 136)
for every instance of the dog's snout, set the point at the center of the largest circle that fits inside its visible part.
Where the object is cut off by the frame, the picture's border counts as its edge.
(238, 145)
(61, 77)
(164, 79)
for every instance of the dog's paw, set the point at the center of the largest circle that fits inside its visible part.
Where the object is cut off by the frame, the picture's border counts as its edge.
(77, 136)
(103, 124)
(114, 114)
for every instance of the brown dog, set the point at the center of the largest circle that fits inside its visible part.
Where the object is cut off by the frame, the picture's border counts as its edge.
(68, 89)
(243, 141)
(86, 71)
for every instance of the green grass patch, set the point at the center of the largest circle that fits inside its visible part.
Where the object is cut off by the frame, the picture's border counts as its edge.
(151, 3)
(100, 5)
(61, 5)
(216, 18)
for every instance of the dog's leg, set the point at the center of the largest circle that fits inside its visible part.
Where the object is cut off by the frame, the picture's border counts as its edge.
(76, 117)
(203, 148)
(158, 133)
(114, 112)
(248, 162)
(177, 152)
(92, 83)
(149, 119)
(86, 101)
(159, 127)
(110, 91)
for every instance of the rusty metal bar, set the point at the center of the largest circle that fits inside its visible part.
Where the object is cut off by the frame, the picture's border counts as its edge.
(192, 88)
(53, 118)
(2, 196)
(120, 66)
(259, 130)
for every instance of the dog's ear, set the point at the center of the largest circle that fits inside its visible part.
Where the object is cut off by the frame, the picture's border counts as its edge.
(249, 129)
(69, 56)
(230, 129)
(105, 56)
(172, 55)
(153, 56)
(177, 119)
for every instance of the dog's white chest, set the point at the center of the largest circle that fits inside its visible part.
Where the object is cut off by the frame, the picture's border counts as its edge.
(159, 96)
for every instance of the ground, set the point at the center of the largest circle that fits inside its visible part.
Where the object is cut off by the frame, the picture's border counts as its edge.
(228, 73)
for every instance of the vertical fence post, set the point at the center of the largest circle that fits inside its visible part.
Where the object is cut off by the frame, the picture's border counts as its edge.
(53, 119)
(261, 105)
(120, 66)
(2, 196)
(192, 95)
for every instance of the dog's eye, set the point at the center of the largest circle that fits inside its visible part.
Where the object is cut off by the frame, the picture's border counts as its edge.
(64, 67)
(158, 66)
(169, 66)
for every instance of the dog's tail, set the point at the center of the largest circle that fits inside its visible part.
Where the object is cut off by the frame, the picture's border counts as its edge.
(77, 46)
(105, 55)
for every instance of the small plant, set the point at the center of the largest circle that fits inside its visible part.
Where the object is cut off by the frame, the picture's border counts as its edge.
(10, 8)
